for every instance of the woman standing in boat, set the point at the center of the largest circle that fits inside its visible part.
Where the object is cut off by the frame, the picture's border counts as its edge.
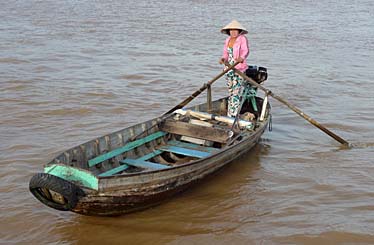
(236, 48)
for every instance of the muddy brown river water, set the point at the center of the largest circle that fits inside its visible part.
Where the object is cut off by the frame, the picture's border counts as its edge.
(74, 70)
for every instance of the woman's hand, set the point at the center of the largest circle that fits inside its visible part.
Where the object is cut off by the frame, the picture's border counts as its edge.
(221, 61)
(240, 60)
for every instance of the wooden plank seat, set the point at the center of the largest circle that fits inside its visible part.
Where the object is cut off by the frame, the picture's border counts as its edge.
(129, 146)
(144, 164)
(182, 148)
(126, 165)
(150, 155)
(114, 171)
(196, 131)
(192, 146)
(133, 162)
(219, 118)
(185, 151)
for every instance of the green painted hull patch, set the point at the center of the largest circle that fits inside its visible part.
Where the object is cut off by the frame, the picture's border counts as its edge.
(72, 174)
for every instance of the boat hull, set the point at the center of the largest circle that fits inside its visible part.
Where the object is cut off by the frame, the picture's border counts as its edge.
(121, 195)
(101, 183)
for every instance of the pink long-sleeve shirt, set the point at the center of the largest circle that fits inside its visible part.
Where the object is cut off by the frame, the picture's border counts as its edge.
(240, 49)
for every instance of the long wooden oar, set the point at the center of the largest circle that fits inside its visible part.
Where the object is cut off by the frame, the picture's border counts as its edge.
(294, 108)
(205, 86)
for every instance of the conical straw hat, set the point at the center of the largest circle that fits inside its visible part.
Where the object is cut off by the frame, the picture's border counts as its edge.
(233, 25)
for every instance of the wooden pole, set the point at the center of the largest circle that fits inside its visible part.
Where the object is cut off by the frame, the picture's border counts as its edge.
(294, 108)
(263, 110)
(199, 91)
(209, 98)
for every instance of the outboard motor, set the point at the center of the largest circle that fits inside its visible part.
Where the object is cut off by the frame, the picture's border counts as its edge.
(258, 74)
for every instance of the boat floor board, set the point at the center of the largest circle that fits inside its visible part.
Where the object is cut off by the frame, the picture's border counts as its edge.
(185, 151)
(144, 164)
(125, 148)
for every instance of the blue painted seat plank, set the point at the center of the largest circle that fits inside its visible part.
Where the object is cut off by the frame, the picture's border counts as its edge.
(150, 155)
(125, 148)
(185, 151)
(144, 164)
(114, 170)
(192, 146)
(126, 166)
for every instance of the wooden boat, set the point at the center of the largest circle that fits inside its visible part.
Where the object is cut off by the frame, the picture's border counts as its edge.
(144, 164)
